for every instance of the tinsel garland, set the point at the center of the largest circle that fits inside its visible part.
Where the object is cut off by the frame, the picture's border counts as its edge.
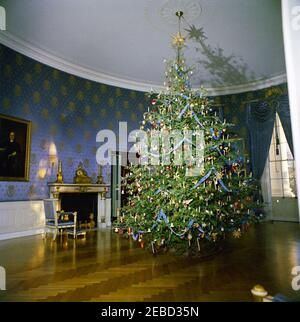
(163, 217)
(203, 179)
(208, 174)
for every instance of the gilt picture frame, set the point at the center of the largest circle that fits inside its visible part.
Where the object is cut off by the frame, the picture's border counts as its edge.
(15, 145)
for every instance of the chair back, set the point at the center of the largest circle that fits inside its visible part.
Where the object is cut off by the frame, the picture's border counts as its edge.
(50, 206)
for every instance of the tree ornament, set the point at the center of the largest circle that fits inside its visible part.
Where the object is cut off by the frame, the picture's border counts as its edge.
(237, 233)
(178, 40)
(235, 166)
(187, 202)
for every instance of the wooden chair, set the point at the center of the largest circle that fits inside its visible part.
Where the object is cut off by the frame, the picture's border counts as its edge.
(55, 220)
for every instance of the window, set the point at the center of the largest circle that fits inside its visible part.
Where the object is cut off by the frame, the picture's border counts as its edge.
(282, 167)
(2, 18)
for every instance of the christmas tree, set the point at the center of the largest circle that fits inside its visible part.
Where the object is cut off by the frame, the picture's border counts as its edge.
(194, 189)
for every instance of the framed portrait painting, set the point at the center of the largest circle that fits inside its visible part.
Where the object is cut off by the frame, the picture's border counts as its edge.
(15, 140)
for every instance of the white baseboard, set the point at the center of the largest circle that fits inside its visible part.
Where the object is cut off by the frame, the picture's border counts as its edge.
(21, 218)
(22, 233)
(26, 218)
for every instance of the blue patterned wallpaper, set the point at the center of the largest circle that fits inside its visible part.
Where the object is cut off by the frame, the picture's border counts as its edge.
(65, 110)
(68, 111)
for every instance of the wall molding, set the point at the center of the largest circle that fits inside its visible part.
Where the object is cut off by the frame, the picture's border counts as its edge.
(21, 218)
(24, 233)
(294, 220)
(43, 56)
(249, 87)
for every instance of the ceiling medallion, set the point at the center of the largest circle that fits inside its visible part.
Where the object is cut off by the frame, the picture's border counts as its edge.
(191, 8)
(163, 17)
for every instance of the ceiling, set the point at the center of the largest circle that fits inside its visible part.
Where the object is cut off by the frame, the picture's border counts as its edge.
(124, 43)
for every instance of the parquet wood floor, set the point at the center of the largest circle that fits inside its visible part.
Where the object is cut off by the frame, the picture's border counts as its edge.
(108, 267)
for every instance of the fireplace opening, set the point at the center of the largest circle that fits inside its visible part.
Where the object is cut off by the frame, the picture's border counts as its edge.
(86, 205)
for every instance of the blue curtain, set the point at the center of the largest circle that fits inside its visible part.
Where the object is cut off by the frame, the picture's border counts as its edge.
(260, 121)
(283, 110)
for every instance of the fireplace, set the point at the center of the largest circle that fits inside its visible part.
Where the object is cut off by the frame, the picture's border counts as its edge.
(84, 203)
(85, 199)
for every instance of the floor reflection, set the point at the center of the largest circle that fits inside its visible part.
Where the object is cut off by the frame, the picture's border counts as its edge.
(105, 266)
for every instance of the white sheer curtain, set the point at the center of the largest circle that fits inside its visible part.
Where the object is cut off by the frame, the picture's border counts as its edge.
(267, 190)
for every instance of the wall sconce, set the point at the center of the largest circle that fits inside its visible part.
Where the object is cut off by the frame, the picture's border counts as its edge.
(52, 155)
(42, 170)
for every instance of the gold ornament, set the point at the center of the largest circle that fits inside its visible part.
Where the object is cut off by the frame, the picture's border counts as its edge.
(178, 40)
(237, 234)
(99, 177)
(219, 176)
(259, 293)
(187, 202)
(214, 236)
(59, 176)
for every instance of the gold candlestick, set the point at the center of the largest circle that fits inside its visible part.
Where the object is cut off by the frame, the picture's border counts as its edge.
(59, 176)
(99, 177)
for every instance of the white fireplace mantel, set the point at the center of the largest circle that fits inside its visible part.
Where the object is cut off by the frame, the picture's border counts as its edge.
(104, 215)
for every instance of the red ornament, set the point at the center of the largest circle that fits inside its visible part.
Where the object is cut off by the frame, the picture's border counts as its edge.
(235, 166)
(153, 102)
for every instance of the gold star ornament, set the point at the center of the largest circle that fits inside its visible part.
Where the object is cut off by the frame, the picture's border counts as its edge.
(237, 234)
(178, 40)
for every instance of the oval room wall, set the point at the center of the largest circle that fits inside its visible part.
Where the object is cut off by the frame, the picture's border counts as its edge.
(66, 113)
